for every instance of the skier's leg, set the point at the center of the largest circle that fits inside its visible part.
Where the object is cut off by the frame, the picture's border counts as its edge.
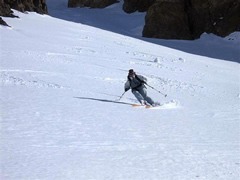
(138, 96)
(143, 92)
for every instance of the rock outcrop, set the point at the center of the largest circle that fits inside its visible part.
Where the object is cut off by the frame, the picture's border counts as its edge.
(188, 19)
(167, 20)
(38, 6)
(91, 3)
(2, 22)
(5, 11)
(131, 6)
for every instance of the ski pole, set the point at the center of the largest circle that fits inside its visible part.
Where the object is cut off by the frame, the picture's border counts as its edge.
(121, 96)
(156, 90)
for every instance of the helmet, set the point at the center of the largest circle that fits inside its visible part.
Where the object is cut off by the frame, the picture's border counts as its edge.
(131, 72)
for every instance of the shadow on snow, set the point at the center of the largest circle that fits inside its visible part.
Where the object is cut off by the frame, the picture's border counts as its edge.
(103, 100)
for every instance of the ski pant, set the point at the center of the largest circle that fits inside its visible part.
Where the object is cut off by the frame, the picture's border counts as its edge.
(141, 95)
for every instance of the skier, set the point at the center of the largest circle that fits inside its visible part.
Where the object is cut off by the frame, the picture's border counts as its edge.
(137, 84)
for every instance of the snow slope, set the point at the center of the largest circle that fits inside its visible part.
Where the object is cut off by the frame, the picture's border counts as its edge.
(60, 119)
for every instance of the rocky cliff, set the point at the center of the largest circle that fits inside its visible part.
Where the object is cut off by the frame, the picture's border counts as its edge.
(38, 6)
(179, 19)
(131, 6)
(188, 19)
(91, 3)
(166, 19)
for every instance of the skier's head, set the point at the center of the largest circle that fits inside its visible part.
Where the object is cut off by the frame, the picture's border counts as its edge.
(131, 73)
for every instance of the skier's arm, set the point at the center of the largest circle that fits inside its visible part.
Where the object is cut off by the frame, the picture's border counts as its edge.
(143, 79)
(127, 86)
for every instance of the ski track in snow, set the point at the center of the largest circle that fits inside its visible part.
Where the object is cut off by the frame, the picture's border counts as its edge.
(140, 58)
(12, 79)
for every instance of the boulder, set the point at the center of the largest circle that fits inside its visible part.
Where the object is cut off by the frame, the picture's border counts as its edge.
(130, 6)
(91, 3)
(167, 20)
(214, 16)
(188, 19)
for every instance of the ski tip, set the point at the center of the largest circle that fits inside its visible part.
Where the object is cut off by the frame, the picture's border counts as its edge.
(136, 105)
(148, 106)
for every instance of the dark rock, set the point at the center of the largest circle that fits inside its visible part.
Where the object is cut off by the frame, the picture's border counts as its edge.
(38, 6)
(91, 3)
(213, 16)
(167, 20)
(2, 22)
(188, 19)
(130, 6)
(5, 10)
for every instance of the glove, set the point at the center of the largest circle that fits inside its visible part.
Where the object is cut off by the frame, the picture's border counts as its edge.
(126, 89)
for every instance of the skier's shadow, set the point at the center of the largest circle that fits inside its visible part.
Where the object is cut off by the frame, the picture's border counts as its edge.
(103, 100)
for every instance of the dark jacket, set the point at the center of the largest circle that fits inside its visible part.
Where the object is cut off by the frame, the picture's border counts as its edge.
(136, 83)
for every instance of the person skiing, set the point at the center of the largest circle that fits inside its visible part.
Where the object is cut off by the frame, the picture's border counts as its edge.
(139, 90)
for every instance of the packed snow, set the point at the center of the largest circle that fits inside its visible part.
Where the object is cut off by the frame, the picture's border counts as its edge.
(61, 117)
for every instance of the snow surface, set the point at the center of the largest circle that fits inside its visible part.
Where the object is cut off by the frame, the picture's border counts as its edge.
(60, 118)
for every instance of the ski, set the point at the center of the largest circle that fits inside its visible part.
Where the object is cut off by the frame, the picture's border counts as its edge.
(137, 105)
(148, 106)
